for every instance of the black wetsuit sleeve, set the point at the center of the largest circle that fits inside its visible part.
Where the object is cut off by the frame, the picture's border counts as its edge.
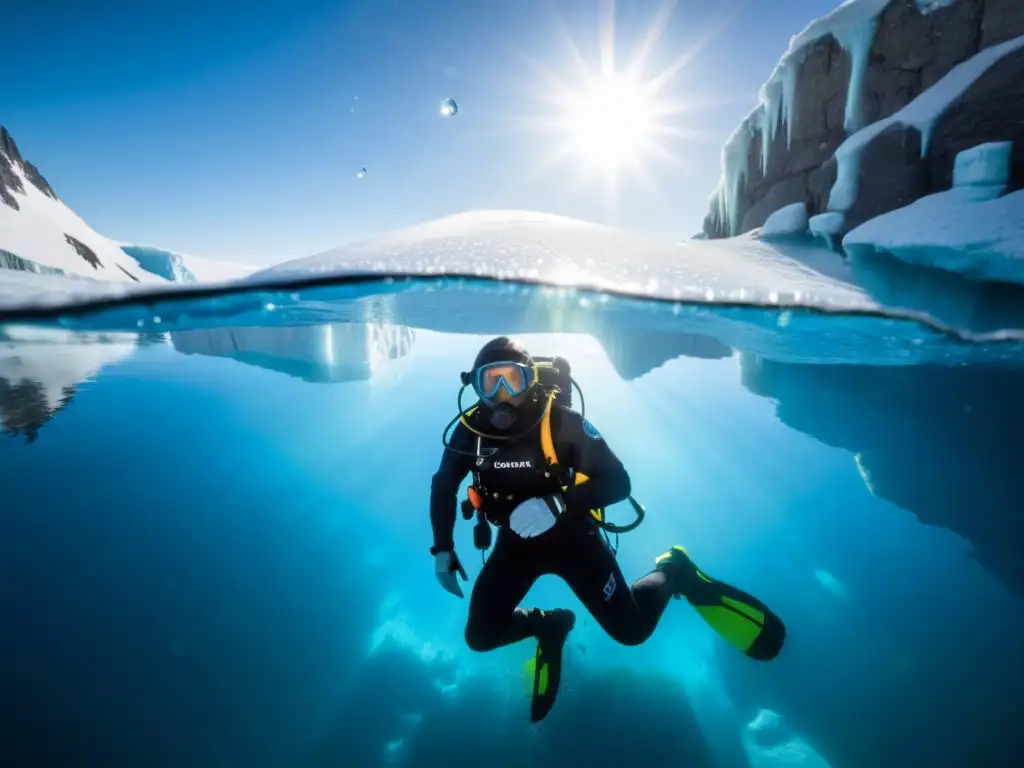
(444, 488)
(588, 453)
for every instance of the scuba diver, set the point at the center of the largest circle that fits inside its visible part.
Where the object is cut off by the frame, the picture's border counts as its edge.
(543, 475)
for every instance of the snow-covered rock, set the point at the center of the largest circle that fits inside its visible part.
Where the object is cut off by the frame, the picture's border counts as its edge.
(180, 268)
(870, 105)
(786, 222)
(951, 231)
(37, 228)
(983, 172)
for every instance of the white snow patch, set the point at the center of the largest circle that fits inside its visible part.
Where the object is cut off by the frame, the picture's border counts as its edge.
(564, 251)
(786, 222)
(980, 240)
(922, 113)
(216, 270)
(36, 232)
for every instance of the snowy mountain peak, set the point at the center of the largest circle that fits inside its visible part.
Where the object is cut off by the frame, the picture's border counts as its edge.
(11, 182)
(39, 233)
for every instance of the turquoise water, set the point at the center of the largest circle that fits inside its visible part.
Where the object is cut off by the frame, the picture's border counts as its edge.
(214, 541)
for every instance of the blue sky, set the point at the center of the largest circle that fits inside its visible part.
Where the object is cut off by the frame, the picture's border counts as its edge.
(236, 129)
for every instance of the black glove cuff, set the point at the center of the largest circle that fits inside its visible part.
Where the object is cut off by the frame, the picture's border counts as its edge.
(437, 550)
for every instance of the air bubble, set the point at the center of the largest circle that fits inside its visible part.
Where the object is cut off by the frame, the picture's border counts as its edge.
(449, 108)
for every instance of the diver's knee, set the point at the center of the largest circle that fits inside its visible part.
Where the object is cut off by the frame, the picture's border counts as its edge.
(477, 639)
(632, 634)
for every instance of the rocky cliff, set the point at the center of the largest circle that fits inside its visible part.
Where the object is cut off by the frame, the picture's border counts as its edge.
(868, 109)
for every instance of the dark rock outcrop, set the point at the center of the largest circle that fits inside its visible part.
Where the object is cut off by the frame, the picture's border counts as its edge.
(133, 277)
(10, 156)
(909, 53)
(891, 174)
(85, 252)
(10, 182)
(1002, 21)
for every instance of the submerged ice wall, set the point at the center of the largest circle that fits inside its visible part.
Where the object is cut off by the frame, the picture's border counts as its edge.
(869, 107)
(329, 353)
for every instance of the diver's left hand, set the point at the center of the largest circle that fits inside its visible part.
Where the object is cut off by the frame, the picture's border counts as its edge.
(536, 516)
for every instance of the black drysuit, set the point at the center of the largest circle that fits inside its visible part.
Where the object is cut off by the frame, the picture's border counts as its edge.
(573, 549)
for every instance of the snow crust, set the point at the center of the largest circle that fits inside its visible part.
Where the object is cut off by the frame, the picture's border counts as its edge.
(564, 251)
(951, 231)
(29, 289)
(36, 232)
(921, 113)
(786, 222)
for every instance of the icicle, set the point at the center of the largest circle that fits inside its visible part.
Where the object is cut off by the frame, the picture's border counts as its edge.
(734, 173)
(927, 130)
(771, 99)
(789, 75)
(856, 40)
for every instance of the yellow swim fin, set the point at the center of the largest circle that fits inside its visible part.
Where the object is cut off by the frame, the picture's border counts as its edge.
(546, 665)
(739, 618)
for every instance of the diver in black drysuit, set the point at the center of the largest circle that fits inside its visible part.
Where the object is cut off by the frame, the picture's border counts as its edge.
(572, 548)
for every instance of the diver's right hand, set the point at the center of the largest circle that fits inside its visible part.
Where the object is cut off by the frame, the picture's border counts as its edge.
(447, 568)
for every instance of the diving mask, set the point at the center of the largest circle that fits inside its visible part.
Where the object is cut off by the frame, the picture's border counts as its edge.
(514, 378)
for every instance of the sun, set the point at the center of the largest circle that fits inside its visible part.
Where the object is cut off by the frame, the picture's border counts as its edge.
(611, 122)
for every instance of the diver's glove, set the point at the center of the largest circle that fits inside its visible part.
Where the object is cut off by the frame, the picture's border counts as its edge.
(536, 516)
(447, 568)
